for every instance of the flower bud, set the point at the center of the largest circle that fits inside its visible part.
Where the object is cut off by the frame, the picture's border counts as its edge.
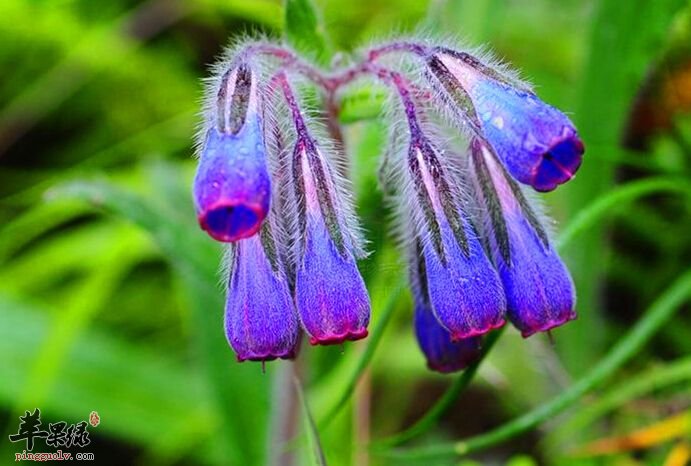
(232, 188)
(260, 319)
(539, 290)
(330, 295)
(537, 143)
(442, 354)
(464, 290)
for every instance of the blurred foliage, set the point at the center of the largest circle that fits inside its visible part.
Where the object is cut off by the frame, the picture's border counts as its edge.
(110, 296)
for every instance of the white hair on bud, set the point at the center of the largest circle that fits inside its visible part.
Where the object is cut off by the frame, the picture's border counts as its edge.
(334, 164)
(541, 211)
(225, 268)
(340, 186)
(435, 121)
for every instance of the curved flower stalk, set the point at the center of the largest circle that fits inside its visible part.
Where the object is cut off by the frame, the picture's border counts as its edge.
(464, 290)
(330, 294)
(232, 188)
(537, 143)
(260, 318)
(442, 353)
(539, 290)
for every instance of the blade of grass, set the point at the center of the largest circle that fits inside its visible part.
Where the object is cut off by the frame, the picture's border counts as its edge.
(680, 454)
(677, 426)
(625, 38)
(24, 228)
(616, 199)
(63, 80)
(310, 427)
(238, 390)
(656, 315)
(139, 393)
(633, 387)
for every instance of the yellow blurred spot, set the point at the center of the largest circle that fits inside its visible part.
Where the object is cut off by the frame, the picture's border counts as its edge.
(670, 428)
(680, 455)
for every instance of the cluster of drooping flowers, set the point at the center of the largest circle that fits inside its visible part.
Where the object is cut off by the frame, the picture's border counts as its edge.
(464, 133)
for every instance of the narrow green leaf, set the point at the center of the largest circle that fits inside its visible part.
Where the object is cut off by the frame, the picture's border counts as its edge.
(653, 319)
(629, 389)
(237, 389)
(36, 221)
(139, 393)
(310, 427)
(625, 38)
(617, 198)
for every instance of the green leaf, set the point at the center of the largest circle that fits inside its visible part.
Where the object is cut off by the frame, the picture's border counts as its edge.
(238, 391)
(139, 393)
(305, 31)
(629, 389)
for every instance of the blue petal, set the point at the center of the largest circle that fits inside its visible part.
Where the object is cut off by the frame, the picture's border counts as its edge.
(330, 295)
(537, 143)
(539, 289)
(232, 188)
(442, 354)
(260, 319)
(465, 292)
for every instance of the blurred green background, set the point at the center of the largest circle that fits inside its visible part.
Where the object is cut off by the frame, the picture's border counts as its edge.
(110, 297)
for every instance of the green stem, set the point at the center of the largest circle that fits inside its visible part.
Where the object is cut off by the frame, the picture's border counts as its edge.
(617, 198)
(658, 313)
(318, 459)
(372, 343)
(447, 400)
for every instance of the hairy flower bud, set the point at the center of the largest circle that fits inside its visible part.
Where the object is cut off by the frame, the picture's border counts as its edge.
(442, 354)
(330, 294)
(464, 289)
(232, 188)
(539, 290)
(260, 319)
(537, 143)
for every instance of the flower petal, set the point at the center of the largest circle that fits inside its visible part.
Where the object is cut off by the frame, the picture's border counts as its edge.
(232, 188)
(330, 294)
(260, 319)
(443, 354)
